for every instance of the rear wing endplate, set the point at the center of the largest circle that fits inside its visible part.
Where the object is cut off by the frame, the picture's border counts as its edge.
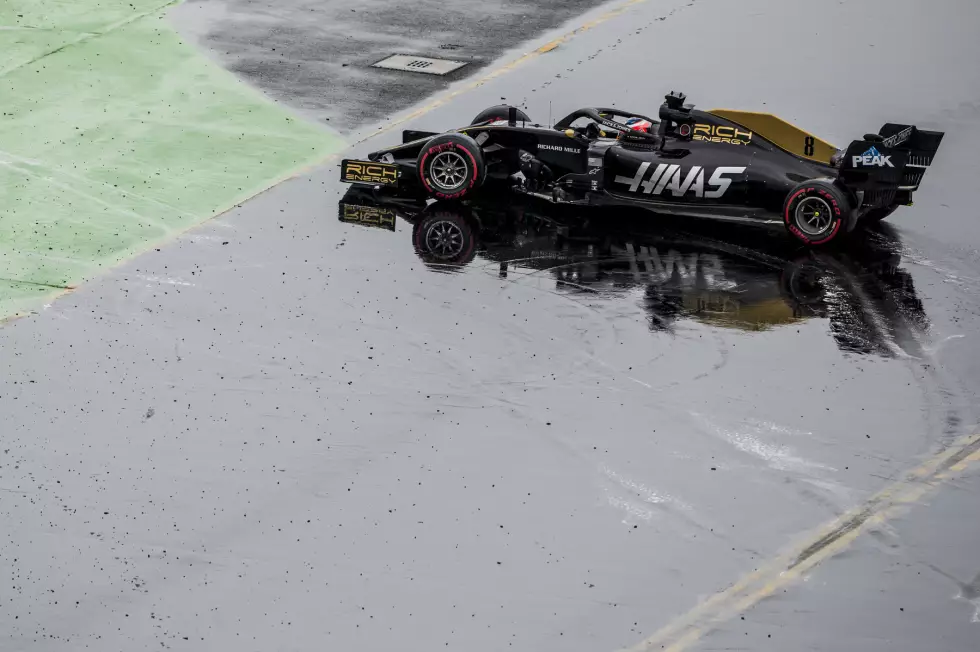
(889, 164)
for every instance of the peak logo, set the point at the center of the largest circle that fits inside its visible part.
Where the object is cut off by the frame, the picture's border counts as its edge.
(872, 157)
(670, 177)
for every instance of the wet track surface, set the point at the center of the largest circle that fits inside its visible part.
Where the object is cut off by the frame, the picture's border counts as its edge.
(317, 56)
(320, 422)
(676, 271)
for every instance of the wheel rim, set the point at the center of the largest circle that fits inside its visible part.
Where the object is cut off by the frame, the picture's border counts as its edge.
(813, 216)
(444, 239)
(805, 284)
(448, 170)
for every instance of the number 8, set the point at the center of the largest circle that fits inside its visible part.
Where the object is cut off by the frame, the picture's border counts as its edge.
(808, 146)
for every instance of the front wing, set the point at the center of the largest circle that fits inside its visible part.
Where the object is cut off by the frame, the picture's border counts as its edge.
(371, 173)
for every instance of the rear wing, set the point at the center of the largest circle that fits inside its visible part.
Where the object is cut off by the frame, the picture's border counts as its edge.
(888, 167)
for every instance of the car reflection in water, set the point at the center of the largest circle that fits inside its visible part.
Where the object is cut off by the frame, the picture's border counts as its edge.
(749, 279)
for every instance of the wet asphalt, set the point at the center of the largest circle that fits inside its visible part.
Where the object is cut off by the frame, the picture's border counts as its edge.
(317, 56)
(288, 430)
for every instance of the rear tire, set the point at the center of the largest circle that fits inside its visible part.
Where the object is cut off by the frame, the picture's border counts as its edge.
(451, 166)
(801, 282)
(817, 212)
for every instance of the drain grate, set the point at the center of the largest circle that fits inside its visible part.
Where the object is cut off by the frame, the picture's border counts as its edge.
(426, 65)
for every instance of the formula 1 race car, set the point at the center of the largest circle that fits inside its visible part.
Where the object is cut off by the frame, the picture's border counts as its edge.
(723, 164)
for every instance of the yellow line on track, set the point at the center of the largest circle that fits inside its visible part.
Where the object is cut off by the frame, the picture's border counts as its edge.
(824, 543)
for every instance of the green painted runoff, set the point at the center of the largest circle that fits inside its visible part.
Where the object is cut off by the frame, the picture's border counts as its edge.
(116, 136)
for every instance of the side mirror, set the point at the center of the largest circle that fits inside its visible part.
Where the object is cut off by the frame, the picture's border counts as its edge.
(675, 100)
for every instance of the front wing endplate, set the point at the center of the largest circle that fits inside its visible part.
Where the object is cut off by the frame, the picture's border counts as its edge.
(369, 172)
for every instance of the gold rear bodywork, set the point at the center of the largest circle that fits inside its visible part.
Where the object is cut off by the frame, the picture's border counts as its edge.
(783, 134)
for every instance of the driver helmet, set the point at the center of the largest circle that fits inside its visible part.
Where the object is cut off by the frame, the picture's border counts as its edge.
(639, 124)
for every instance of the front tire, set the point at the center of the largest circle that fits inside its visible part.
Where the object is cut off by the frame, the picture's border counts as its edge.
(451, 166)
(817, 212)
(445, 236)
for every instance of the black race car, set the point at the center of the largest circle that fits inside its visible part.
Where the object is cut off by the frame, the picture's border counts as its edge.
(725, 164)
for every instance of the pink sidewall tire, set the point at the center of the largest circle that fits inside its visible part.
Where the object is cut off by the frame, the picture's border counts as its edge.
(451, 166)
